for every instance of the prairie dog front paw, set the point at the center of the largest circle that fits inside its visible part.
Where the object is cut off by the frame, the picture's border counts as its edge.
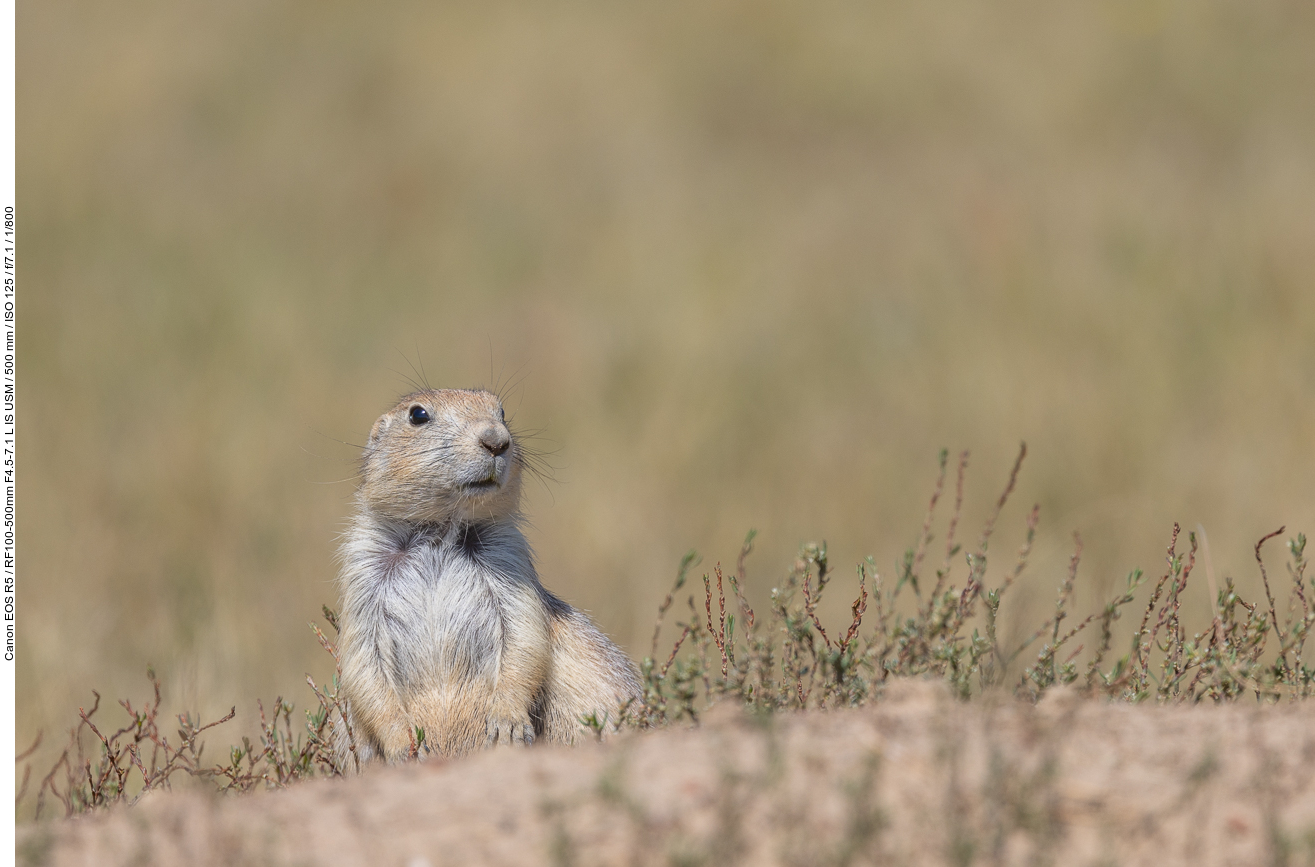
(505, 731)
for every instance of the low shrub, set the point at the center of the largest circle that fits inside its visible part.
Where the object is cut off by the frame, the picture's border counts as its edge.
(914, 625)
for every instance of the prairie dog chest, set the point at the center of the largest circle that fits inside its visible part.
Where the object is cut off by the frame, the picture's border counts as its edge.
(444, 604)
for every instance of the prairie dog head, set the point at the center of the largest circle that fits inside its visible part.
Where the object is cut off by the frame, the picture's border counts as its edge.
(440, 455)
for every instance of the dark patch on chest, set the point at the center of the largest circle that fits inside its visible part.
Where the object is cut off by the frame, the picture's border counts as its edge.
(472, 540)
(402, 546)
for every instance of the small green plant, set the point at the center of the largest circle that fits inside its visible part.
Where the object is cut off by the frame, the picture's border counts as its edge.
(139, 747)
(138, 757)
(417, 734)
(931, 626)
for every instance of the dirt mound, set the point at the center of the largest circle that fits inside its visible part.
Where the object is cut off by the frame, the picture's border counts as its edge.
(917, 778)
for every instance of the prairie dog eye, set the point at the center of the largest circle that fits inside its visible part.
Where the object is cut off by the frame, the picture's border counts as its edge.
(418, 415)
(502, 415)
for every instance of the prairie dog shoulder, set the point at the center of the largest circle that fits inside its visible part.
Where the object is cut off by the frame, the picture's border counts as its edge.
(445, 625)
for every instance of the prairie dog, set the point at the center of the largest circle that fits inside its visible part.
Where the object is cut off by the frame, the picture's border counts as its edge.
(445, 625)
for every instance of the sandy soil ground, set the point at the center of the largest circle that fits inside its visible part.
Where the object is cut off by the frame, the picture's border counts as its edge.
(914, 779)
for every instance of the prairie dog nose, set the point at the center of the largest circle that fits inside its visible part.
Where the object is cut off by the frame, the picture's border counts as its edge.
(495, 439)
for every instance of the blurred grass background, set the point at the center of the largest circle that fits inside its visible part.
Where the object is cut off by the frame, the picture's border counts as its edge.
(752, 264)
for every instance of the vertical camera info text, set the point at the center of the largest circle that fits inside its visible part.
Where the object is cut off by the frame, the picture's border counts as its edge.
(7, 429)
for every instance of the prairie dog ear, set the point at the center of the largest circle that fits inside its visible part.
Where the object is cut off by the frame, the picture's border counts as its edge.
(378, 430)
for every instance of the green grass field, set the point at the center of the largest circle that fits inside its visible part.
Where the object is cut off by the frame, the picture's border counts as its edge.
(746, 265)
